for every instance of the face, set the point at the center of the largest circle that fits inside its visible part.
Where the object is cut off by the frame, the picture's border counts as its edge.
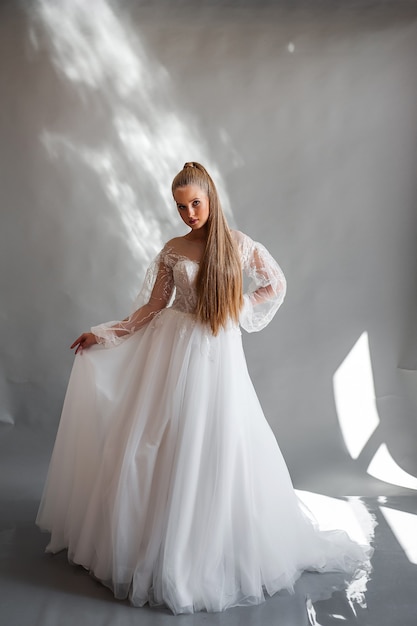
(193, 206)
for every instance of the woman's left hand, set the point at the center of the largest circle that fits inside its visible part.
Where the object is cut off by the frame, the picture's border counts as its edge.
(86, 340)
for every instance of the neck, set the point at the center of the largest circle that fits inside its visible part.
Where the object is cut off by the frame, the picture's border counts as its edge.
(199, 235)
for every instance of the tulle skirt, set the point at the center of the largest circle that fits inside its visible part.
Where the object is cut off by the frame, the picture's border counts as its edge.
(166, 481)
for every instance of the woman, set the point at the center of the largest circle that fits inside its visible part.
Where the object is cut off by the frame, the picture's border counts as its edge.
(166, 481)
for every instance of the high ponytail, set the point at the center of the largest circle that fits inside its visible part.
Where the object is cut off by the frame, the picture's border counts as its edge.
(219, 279)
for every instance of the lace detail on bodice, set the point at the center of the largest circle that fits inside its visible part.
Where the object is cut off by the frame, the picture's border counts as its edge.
(184, 274)
(171, 282)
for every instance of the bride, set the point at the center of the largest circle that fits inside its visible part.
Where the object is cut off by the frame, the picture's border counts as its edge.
(166, 481)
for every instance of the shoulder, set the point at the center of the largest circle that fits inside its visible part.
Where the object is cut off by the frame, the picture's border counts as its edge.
(173, 244)
(173, 250)
(252, 253)
(241, 240)
(237, 234)
(166, 254)
(178, 245)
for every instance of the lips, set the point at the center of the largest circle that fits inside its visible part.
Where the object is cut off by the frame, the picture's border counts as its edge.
(191, 222)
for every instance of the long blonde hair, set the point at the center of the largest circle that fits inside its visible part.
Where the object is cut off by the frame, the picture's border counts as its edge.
(219, 279)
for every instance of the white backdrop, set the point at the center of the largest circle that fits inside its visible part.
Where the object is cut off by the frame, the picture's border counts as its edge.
(306, 119)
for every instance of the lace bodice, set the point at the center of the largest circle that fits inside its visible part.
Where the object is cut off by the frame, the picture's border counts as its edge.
(184, 275)
(170, 281)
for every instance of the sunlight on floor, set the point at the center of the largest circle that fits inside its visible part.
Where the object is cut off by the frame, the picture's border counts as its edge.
(404, 528)
(349, 514)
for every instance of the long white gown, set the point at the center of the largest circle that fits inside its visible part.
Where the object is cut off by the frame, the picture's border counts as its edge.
(166, 481)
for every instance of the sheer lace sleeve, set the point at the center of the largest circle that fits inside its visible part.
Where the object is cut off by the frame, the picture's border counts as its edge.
(155, 295)
(267, 284)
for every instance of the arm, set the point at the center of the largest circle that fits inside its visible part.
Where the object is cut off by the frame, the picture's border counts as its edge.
(268, 281)
(157, 291)
(267, 284)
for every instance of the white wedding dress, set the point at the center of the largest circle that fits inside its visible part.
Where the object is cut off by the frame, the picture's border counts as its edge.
(166, 481)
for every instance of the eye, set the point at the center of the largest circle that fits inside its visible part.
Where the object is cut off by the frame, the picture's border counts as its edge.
(196, 202)
(180, 207)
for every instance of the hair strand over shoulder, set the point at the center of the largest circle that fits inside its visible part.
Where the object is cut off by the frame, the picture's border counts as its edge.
(219, 279)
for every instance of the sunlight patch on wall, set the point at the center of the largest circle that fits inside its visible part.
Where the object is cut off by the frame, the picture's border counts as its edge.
(404, 528)
(355, 401)
(354, 394)
(91, 46)
(140, 139)
(142, 231)
(385, 468)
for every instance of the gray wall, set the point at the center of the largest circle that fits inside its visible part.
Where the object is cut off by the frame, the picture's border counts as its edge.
(307, 120)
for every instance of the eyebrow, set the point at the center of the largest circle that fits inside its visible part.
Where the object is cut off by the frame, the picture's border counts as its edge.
(182, 203)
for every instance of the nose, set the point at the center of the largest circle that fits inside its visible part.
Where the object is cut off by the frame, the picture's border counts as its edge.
(190, 211)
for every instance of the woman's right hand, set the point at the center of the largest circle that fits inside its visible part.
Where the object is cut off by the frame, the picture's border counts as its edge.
(86, 340)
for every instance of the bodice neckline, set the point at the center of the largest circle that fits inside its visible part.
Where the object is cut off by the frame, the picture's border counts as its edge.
(182, 257)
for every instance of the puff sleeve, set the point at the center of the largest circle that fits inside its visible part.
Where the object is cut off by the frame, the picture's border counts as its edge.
(267, 285)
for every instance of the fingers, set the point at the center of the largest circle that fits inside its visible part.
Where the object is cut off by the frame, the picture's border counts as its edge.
(78, 348)
(78, 342)
(86, 340)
